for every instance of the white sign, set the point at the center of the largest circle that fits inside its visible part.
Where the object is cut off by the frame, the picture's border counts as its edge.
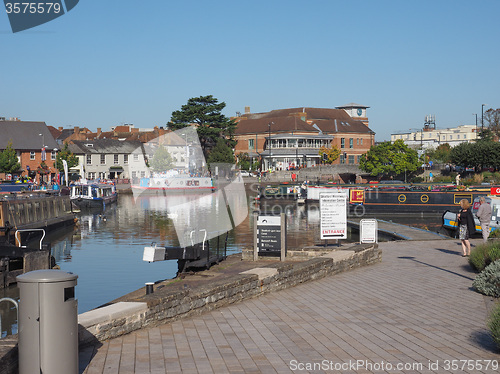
(333, 215)
(368, 231)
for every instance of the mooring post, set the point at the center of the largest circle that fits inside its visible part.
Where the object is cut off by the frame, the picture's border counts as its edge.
(255, 237)
(283, 237)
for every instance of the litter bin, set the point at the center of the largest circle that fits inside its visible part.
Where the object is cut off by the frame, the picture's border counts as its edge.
(48, 322)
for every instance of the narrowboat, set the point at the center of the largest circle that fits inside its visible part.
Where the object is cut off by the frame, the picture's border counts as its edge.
(450, 222)
(92, 195)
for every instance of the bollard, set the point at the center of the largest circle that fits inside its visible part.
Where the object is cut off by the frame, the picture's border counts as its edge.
(48, 322)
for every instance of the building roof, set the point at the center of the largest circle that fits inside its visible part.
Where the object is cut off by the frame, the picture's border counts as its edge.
(26, 135)
(352, 105)
(104, 146)
(328, 120)
(278, 124)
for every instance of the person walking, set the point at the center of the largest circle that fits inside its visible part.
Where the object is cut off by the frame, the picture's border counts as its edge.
(466, 226)
(484, 216)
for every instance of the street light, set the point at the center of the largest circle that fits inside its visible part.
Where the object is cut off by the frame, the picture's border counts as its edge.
(475, 114)
(482, 117)
(270, 147)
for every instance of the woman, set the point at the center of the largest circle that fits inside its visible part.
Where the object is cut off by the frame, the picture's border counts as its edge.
(466, 225)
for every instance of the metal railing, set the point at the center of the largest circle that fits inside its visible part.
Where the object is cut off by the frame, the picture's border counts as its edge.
(16, 304)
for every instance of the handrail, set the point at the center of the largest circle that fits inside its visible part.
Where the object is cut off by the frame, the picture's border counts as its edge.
(18, 239)
(16, 304)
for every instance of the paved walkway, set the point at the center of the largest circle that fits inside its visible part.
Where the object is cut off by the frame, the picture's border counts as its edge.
(415, 311)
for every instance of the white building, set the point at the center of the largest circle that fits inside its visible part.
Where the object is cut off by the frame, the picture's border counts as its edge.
(428, 138)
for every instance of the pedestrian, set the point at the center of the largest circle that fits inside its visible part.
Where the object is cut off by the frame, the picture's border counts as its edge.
(484, 216)
(466, 225)
(431, 177)
(457, 179)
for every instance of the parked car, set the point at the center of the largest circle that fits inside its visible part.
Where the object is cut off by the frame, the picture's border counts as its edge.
(246, 173)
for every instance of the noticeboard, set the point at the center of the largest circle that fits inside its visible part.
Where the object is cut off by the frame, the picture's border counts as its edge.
(368, 231)
(269, 234)
(333, 215)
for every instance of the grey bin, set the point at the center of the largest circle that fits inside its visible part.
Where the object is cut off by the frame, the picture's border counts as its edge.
(48, 322)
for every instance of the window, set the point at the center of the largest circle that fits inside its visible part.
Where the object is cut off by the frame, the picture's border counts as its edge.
(143, 174)
(89, 159)
(351, 143)
(358, 159)
(32, 155)
(115, 159)
(134, 174)
(102, 175)
(342, 159)
(342, 142)
(465, 136)
(103, 159)
(250, 144)
(136, 157)
(351, 159)
(362, 140)
(357, 141)
(53, 155)
(92, 175)
(125, 159)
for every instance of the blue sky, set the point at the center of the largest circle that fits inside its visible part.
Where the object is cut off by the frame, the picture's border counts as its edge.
(109, 62)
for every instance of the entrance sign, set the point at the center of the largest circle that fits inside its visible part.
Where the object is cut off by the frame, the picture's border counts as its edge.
(333, 215)
(368, 231)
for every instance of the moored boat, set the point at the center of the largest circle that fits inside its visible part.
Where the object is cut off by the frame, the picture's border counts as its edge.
(92, 194)
(450, 221)
(182, 183)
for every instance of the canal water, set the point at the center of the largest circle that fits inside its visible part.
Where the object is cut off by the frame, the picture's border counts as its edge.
(106, 248)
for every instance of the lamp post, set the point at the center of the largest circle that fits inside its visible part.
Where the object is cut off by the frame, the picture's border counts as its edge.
(475, 114)
(482, 117)
(270, 149)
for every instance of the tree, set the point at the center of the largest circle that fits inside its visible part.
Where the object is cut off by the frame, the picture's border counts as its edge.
(244, 161)
(389, 159)
(476, 155)
(441, 154)
(492, 118)
(162, 160)
(221, 153)
(211, 124)
(8, 160)
(331, 153)
(65, 154)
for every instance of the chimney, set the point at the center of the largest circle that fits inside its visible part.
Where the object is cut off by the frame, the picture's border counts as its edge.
(60, 128)
(247, 110)
(77, 130)
(99, 131)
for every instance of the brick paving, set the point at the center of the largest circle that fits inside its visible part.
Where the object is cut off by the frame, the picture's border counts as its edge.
(415, 308)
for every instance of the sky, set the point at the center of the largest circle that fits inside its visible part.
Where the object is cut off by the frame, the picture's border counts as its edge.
(112, 62)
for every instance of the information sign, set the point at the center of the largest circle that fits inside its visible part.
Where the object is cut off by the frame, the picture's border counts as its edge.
(333, 215)
(368, 231)
(269, 233)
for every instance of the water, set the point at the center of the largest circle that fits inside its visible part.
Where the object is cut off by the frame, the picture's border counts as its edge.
(105, 249)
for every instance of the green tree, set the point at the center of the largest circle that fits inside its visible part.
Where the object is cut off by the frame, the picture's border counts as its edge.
(65, 154)
(211, 124)
(244, 161)
(162, 160)
(441, 154)
(221, 153)
(389, 159)
(8, 160)
(332, 154)
(476, 155)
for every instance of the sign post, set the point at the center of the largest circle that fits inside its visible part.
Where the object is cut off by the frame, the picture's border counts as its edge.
(333, 215)
(368, 231)
(270, 235)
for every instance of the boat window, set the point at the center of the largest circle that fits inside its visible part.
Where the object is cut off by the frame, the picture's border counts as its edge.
(458, 196)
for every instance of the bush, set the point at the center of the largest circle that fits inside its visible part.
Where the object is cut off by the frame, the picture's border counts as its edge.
(494, 325)
(484, 254)
(488, 281)
(444, 179)
(478, 256)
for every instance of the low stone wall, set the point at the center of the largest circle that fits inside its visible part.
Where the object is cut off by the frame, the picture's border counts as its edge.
(166, 306)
